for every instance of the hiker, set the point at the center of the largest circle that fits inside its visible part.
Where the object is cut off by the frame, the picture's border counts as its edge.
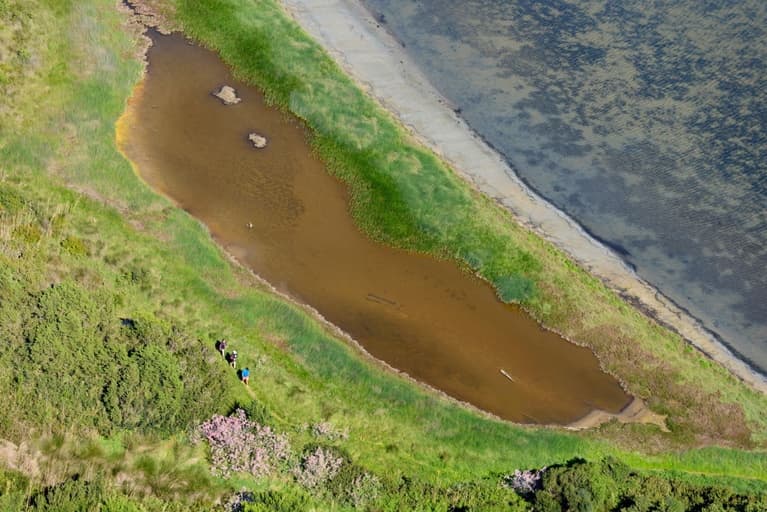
(245, 376)
(221, 346)
(232, 359)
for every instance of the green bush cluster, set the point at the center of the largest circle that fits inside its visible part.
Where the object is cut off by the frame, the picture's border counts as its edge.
(74, 495)
(579, 486)
(255, 411)
(402, 496)
(74, 246)
(353, 487)
(28, 233)
(479, 495)
(74, 362)
(77, 494)
(276, 501)
(611, 486)
(10, 200)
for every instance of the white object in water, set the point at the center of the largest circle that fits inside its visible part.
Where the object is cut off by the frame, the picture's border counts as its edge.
(506, 374)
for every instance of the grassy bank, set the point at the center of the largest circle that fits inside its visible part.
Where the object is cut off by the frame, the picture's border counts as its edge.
(405, 196)
(111, 299)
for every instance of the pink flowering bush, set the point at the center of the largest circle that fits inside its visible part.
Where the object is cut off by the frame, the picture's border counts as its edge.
(525, 482)
(317, 468)
(364, 490)
(240, 445)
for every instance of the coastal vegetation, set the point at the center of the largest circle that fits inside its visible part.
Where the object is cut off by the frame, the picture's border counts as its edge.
(111, 300)
(404, 195)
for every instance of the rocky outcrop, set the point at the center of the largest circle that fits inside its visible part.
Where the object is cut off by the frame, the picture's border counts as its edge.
(227, 95)
(259, 141)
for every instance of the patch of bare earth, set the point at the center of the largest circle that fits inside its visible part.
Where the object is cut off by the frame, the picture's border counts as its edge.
(141, 15)
(20, 457)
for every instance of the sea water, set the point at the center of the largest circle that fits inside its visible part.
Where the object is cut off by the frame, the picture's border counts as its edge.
(646, 122)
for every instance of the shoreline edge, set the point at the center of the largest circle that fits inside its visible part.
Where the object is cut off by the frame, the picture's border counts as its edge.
(376, 61)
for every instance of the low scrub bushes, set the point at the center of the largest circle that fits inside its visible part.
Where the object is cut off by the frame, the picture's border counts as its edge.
(318, 467)
(273, 501)
(71, 496)
(611, 486)
(329, 474)
(74, 362)
(11, 201)
(77, 494)
(255, 411)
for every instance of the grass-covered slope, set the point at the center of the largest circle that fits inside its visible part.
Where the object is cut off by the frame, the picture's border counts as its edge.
(111, 299)
(404, 195)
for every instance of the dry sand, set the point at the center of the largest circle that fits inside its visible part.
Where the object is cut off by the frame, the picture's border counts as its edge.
(377, 61)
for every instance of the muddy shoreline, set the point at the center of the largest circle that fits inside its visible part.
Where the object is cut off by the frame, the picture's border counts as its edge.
(368, 53)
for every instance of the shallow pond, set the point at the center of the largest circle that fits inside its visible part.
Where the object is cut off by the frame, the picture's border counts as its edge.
(279, 212)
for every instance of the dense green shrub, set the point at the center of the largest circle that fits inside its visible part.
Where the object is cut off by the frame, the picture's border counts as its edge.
(274, 501)
(13, 486)
(74, 495)
(12, 481)
(138, 276)
(611, 486)
(255, 411)
(73, 362)
(481, 495)
(354, 486)
(74, 246)
(10, 201)
(28, 233)
(119, 503)
(148, 388)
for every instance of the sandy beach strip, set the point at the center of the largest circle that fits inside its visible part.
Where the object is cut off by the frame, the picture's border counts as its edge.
(370, 55)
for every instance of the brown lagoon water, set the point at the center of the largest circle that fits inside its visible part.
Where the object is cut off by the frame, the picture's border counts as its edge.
(422, 316)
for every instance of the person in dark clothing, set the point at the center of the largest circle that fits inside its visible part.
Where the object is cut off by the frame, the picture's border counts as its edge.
(232, 358)
(221, 346)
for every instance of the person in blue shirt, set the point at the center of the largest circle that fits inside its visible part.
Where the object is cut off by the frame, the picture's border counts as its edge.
(245, 376)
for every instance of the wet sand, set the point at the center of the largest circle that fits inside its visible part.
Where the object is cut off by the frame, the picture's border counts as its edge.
(363, 48)
(279, 212)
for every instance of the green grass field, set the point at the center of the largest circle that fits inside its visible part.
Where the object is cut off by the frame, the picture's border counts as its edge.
(111, 299)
